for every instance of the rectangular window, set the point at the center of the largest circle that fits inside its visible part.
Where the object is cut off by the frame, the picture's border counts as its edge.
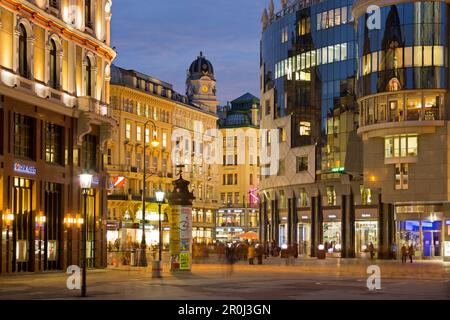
(138, 133)
(366, 196)
(229, 179)
(53, 143)
(401, 146)
(401, 176)
(408, 57)
(438, 56)
(237, 198)
(164, 140)
(305, 128)
(89, 152)
(23, 140)
(418, 56)
(344, 14)
(302, 164)
(128, 131)
(427, 56)
(303, 198)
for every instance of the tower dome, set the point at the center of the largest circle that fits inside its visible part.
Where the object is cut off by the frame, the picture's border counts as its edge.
(201, 67)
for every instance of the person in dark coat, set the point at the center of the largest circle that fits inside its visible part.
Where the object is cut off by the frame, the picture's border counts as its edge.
(404, 253)
(371, 251)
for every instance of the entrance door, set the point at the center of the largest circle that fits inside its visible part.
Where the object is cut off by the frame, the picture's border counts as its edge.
(431, 239)
(304, 238)
(23, 237)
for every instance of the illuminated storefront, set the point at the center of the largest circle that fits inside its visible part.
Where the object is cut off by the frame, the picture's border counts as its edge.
(366, 230)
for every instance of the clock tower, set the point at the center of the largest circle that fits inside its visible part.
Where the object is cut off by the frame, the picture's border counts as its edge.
(201, 84)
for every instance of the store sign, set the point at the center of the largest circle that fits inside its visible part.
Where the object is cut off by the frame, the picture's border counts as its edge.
(21, 168)
(119, 182)
(447, 248)
(338, 170)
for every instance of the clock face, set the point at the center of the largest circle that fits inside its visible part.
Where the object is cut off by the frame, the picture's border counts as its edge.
(205, 89)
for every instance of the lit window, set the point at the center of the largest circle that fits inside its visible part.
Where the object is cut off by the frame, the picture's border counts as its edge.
(331, 196)
(128, 130)
(401, 176)
(438, 53)
(305, 128)
(401, 146)
(427, 56)
(366, 196)
(138, 133)
(164, 140)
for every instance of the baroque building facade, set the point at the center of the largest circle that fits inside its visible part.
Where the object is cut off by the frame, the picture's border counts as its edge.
(239, 172)
(55, 60)
(172, 120)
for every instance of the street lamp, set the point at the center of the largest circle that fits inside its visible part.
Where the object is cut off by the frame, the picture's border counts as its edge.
(8, 218)
(40, 219)
(154, 143)
(85, 185)
(157, 265)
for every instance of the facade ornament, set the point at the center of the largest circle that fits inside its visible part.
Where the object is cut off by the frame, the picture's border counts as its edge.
(264, 19)
(83, 127)
(271, 9)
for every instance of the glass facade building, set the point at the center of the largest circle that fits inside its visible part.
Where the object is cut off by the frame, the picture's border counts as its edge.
(359, 96)
(402, 90)
(308, 74)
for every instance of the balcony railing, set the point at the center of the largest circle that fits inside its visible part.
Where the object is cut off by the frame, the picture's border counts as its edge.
(90, 104)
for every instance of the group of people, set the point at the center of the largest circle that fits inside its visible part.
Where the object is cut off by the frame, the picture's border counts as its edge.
(408, 252)
(235, 252)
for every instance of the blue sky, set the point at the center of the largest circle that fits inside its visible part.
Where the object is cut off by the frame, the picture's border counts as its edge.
(162, 37)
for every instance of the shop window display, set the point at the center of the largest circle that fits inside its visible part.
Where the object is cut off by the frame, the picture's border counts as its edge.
(332, 236)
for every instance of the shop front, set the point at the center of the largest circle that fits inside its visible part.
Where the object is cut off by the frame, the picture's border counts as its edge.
(425, 232)
(332, 232)
(304, 232)
(366, 230)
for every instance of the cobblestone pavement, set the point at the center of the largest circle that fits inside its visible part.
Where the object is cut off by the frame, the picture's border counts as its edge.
(306, 280)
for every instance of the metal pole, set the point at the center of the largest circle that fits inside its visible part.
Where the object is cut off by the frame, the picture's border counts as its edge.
(84, 245)
(160, 233)
(143, 257)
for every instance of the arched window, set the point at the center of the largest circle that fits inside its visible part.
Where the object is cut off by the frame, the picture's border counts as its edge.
(53, 65)
(88, 72)
(23, 52)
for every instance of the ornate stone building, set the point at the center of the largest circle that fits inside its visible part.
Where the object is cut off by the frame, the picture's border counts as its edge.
(55, 120)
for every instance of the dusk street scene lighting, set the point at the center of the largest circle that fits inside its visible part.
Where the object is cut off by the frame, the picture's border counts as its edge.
(225, 158)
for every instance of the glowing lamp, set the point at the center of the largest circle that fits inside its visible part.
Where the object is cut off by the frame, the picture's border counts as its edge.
(85, 181)
(159, 196)
(321, 247)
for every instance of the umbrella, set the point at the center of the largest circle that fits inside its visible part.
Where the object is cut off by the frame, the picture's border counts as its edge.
(249, 235)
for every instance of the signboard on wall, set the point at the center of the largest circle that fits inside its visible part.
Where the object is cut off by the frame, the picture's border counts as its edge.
(185, 261)
(447, 249)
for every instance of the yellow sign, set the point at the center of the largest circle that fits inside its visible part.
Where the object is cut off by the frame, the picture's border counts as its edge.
(184, 261)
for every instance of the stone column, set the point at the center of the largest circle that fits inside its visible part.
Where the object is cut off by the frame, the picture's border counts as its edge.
(348, 226)
(386, 229)
(316, 224)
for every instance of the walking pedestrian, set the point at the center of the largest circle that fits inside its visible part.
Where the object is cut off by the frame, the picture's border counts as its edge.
(251, 254)
(404, 253)
(411, 253)
(371, 250)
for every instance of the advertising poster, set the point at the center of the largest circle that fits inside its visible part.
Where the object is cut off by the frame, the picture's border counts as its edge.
(185, 261)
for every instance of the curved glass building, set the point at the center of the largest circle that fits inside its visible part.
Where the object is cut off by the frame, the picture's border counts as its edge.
(308, 73)
(402, 89)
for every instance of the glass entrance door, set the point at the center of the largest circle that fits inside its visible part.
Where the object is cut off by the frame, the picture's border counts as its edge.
(304, 238)
(431, 238)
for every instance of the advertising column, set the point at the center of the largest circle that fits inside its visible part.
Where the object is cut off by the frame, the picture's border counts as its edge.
(180, 220)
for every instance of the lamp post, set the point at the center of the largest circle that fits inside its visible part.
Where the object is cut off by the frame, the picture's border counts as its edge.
(157, 265)
(8, 218)
(41, 219)
(85, 185)
(155, 144)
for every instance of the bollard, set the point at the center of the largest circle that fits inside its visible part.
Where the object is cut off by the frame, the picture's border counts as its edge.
(156, 269)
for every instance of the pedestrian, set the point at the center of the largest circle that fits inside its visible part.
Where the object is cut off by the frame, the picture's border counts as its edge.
(411, 253)
(251, 254)
(259, 253)
(404, 253)
(371, 250)
(394, 251)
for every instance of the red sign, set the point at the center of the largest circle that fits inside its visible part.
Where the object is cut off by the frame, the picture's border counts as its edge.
(119, 182)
